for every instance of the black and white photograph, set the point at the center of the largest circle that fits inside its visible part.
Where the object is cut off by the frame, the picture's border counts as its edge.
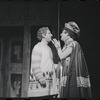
(50, 49)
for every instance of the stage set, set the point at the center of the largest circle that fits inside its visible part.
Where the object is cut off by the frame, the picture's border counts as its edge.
(19, 22)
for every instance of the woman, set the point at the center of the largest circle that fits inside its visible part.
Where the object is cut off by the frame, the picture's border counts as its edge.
(74, 76)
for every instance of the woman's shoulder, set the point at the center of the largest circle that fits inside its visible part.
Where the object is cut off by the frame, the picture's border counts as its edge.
(72, 44)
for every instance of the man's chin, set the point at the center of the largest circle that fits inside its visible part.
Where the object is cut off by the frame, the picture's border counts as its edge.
(50, 40)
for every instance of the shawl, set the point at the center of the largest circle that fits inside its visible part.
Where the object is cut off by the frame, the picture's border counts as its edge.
(78, 81)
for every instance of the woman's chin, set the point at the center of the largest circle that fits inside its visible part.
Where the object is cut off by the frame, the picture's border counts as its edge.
(62, 39)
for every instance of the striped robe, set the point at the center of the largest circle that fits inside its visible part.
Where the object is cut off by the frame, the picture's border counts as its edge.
(42, 69)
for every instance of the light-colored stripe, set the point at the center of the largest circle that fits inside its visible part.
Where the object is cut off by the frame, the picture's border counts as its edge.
(37, 71)
(36, 58)
(36, 53)
(35, 67)
(36, 61)
(39, 75)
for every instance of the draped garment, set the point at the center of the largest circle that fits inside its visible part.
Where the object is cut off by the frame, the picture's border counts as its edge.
(73, 75)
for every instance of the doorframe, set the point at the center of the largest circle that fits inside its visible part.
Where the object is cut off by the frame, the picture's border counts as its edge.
(26, 60)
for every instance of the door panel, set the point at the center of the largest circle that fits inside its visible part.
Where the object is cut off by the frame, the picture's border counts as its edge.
(11, 61)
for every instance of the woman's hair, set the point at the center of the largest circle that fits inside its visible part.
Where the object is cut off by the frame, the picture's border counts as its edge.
(41, 31)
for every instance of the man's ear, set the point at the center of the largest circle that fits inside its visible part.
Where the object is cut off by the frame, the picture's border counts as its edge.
(43, 35)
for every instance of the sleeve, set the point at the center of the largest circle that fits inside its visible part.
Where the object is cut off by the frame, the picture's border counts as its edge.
(71, 45)
(35, 64)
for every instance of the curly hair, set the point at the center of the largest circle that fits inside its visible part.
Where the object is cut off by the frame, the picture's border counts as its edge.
(41, 31)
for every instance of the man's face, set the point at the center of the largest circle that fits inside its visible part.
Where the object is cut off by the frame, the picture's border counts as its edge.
(48, 36)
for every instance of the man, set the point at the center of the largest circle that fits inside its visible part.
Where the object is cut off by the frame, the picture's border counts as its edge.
(42, 67)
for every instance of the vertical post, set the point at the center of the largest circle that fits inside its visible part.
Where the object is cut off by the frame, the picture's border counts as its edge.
(26, 61)
(26, 54)
(58, 18)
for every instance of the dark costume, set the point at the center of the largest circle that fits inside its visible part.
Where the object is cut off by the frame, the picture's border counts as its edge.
(74, 77)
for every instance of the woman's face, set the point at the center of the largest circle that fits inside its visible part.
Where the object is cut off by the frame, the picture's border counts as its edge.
(64, 35)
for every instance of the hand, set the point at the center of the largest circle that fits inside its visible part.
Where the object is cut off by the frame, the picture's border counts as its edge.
(56, 43)
(43, 82)
(43, 85)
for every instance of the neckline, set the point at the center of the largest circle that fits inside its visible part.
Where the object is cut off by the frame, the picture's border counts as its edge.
(44, 43)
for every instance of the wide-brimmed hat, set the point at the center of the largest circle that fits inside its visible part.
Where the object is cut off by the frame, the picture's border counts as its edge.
(73, 27)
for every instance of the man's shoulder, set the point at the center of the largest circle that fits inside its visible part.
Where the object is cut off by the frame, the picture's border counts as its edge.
(38, 45)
